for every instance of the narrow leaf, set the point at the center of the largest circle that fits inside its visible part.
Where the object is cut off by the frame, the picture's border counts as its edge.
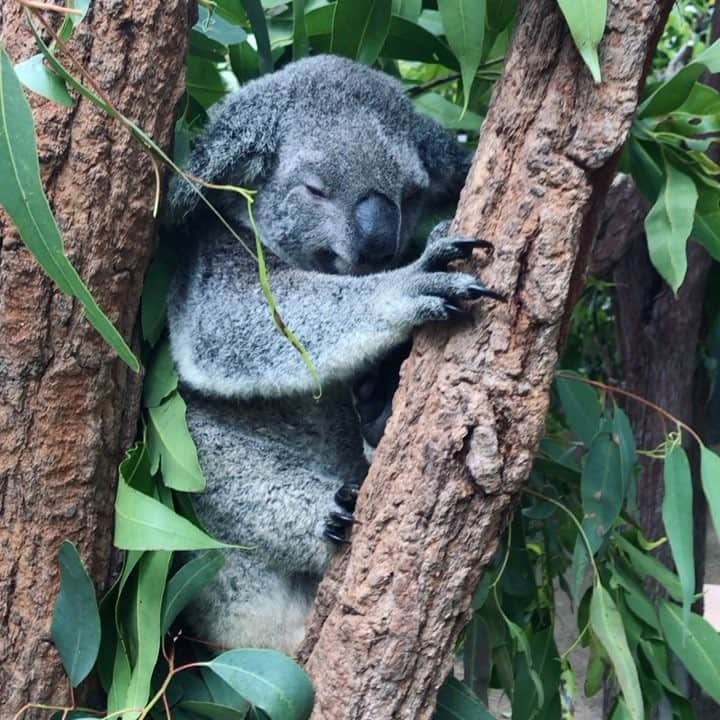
(301, 47)
(586, 20)
(581, 406)
(602, 489)
(359, 28)
(168, 435)
(669, 223)
(143, 523)
(646, 565)
(76, 621)
(36, 77)
(22, 196)
(696, 643)
(161, 378)
(710, 477)
(256, 16)
(677, 515)
(455, 701)
(607, 625)
(268, 680)
(187, 582)
(464, 24)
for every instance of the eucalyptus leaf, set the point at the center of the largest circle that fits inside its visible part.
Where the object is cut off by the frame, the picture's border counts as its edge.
(647, 565)
(581, 406)
(677, 515)
(586, 20)
(268, 680)
(464, 24)
(217, 28)
(359, 28)
(607, 624)
(75, 627)
(301, 47)
(161, 379)
(409, 9)
(256, 16)
(455, 701)
(36, 77)
(193, 577)
(22, 197)
(669, 223)
(143, 523)
(447, 113)
(696, 643)
(568, 691)
(602, 489)
(147, 603)
(168, 436)
(710, 478)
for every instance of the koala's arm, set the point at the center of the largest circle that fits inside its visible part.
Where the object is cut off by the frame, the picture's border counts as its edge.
(224, 341)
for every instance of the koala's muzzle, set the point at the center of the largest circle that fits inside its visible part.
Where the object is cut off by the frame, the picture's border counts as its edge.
(377, 219)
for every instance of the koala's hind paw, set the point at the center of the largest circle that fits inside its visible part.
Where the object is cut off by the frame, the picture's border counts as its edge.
(338, 521)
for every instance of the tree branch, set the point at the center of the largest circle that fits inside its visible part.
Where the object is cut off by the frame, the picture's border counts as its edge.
(470, 410)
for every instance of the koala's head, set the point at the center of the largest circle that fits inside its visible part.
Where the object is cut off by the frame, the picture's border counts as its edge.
(342, 164)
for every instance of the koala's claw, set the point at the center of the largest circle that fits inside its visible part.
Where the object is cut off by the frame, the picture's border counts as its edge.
(346, 496)
(476, 291)
(342, 518)
(455, 311)
(335, 534)
(467, 245)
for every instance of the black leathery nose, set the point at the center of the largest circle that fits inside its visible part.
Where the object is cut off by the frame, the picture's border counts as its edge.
(377, 219)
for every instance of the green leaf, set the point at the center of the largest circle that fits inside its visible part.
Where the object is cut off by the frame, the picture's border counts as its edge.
(70, 22)
(646, 565)
(301, 47)
(359, 28)
(710, 477)
(268, 680)
(214, 711)
(187, 582)
(675, 91)
(145, 620)
(205, 82)
(706, 229)
(168, 435)
(464, 24)
(696, 643)
(36, 77)
(677, 515)
(143, 523)
(447, 113)
(607, 625)
(581, 406)
(669, 224)
(76, 621)
(256, 16)
(155, 292)
(476, 654)
(409, 9)
(455, 701)
(568, 691)
(657, 656)
(161, 378)
(586, 20)
(602, 489)
(217, 28)
(22, 196)
(407, 40)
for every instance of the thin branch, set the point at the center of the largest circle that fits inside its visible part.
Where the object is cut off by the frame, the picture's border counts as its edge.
(47, 7)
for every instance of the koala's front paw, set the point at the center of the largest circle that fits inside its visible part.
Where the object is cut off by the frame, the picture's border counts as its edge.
(338, 521)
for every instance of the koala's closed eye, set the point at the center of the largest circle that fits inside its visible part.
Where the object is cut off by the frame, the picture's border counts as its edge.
(316, 189)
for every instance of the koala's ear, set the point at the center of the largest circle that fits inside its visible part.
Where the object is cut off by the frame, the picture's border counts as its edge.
(447, 161)
(236, 147)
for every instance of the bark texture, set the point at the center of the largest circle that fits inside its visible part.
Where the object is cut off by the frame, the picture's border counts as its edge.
(68, 406)
(471, 407)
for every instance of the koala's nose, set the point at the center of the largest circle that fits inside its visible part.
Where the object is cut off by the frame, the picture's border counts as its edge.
(378, 220)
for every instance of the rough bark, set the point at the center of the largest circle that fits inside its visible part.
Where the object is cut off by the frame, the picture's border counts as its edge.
(68, 406)
(471, 406)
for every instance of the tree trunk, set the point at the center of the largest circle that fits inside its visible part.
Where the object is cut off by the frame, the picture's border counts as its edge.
(471, 406)
(68, 406)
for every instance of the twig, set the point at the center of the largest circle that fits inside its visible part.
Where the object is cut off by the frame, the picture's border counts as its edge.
(47, 7)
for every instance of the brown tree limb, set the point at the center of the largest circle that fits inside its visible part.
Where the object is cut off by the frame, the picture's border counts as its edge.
(471, 407)
(68, 407)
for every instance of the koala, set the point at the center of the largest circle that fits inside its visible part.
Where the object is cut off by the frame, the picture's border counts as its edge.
(342, 166)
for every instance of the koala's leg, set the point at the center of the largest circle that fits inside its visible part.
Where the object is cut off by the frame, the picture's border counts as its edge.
(251, 604)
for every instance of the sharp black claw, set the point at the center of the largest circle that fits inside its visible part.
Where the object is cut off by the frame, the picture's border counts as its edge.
(335, 534)
(476, 291)
(455, 311)
(342, 518)
(467, 245)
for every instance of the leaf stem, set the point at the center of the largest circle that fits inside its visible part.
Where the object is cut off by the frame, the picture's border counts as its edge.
(48, 7)
(637, 398)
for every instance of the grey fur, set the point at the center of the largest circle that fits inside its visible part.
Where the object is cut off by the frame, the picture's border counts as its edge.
(272, 456)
